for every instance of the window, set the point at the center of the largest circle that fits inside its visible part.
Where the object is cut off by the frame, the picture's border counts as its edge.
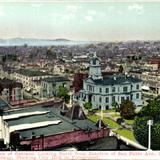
(122, 99)
(113, 89)
(125, 89)
(100, 90)
(107, 107)
(137, 86)
(107, 99)
(64, 85)
(90, 88)
(93, 98)
(137, 96)
(113, 98)
(107, 90)
(100, 99)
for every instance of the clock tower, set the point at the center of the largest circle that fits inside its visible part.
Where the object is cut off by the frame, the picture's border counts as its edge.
(95, 68)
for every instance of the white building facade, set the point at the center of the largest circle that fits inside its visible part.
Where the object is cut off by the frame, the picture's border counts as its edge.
(103, 91)
(30, 79)
(50, 86)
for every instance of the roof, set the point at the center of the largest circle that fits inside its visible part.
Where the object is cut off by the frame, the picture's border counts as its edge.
(8, 83)
(55, 79)
(34, 125)
(145, 88)
(76, 112)
(66, 125)
(3, 104)
(64, 107)
(100, 123)
(31, 73)
(25, 114)
(115, 80)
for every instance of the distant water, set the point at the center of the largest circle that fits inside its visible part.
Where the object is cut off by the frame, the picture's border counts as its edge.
(44, 43)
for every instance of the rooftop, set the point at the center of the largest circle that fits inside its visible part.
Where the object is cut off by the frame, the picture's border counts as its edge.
(52, 114)
(8, 83)
(116, 80)
(31, 73)
(55, 79)
(3, 105)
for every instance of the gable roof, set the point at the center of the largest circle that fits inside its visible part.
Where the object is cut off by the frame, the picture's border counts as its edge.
(76, 112)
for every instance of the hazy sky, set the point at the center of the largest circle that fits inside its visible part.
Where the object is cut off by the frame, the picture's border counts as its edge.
(102, 21)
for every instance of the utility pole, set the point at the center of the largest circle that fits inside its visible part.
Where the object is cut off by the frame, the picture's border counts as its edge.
(70, 100)
(150, 123)
(101, 119)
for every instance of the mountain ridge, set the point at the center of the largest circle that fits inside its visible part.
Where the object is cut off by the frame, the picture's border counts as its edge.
(39, 42)
(38, 39)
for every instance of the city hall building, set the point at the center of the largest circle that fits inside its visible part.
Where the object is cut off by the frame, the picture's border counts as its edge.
(102, 91)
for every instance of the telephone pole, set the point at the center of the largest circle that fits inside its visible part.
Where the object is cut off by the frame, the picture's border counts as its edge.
(150, 123)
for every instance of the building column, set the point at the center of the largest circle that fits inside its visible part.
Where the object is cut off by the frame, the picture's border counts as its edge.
(1, 127)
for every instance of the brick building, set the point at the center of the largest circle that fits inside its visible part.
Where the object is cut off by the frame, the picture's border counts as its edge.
(10, 90)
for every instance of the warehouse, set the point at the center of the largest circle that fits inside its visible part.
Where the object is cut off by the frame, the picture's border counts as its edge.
(39, 128)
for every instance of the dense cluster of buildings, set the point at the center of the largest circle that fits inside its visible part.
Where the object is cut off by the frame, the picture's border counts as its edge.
(33, 117)
(41, 84)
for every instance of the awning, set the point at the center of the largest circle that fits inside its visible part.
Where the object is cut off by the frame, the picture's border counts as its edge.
(145, 88)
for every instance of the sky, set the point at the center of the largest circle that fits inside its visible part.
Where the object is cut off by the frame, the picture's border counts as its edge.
(81, 20)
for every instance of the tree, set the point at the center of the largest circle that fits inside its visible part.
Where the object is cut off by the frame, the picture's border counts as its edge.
(140, 128)
(120, 70)
(127, 109)
(63, 93)
(115, 105)
(152, 110)
(88, 105)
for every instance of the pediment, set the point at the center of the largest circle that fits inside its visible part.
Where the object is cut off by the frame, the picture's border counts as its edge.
(89, 80)
(126, 82)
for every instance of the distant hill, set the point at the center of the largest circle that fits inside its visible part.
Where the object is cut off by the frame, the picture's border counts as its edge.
(61, 39)
(39, 42)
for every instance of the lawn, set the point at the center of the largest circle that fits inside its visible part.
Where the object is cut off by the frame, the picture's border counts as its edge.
(123, 132)
(93, 118)
(107, 121)
(111, 123)
(115, 115)
(130, 122)
(105, 111)
(126, 133)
